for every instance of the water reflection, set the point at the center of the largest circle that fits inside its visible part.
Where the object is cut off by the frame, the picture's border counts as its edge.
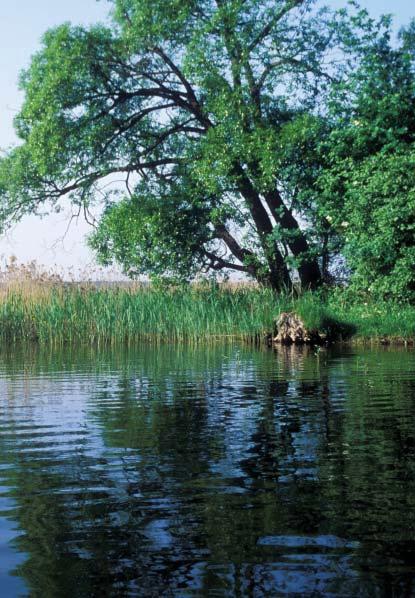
(221, 471)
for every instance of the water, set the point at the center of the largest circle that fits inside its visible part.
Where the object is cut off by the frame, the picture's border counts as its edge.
(219, 471)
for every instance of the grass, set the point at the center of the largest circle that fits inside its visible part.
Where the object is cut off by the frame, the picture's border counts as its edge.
(70, 313)
(376, 321)
(48, 310)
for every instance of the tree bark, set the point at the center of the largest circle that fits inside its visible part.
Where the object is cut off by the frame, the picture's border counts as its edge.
(279, 276)
(308, 270)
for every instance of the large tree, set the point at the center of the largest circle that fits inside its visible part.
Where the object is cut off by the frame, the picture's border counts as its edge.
(366, 179)
(193, 104)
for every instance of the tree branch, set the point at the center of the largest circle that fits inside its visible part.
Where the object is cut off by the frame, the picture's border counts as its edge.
(291, 4)
(302, 66)
(239, 252)
(218, 263)
(175, 69)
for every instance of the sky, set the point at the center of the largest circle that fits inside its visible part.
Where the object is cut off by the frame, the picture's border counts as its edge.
(22, 23)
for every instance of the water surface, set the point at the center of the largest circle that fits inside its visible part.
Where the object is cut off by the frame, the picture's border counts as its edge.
(222, 471)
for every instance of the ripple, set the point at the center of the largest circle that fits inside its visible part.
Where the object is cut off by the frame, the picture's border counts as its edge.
(193, 471)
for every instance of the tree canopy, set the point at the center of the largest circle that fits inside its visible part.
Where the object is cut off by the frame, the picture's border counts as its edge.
(224, 135)
(367, 184)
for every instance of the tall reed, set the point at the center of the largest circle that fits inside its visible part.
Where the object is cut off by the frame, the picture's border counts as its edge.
(71, 312)
(37, 306)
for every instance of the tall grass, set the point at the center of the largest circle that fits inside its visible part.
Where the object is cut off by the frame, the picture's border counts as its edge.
(375, 321)
(39, 307)
(85, 313)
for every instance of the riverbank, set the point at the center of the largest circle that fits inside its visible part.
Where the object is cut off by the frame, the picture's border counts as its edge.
(56, 312)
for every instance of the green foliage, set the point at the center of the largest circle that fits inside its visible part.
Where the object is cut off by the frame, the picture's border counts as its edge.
(141, 234)
(379, 205)
(203, 109)
(270, 138)
(367, 184)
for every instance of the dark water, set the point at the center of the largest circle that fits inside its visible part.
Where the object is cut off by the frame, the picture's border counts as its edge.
(207, 472)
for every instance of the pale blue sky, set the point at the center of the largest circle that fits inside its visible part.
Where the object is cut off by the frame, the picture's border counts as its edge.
(22, 24)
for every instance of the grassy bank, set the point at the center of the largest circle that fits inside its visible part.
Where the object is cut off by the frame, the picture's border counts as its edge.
(74, 313)
(53, 312)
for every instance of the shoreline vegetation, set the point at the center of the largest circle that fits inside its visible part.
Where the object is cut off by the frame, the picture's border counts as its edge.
(204, 149)
(42, 308)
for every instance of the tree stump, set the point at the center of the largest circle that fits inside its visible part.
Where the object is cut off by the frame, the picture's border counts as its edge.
(290, 329)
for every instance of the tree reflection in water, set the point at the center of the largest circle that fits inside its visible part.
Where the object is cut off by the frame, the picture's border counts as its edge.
(225, 470)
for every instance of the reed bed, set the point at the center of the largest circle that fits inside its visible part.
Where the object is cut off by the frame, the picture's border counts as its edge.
(70, 313)
(41, 307)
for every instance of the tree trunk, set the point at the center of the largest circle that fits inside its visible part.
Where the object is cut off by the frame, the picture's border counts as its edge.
(279, 276)
(308, 270)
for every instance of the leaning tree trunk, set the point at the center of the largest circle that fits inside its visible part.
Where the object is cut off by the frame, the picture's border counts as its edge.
(308, 270)
(278, 277)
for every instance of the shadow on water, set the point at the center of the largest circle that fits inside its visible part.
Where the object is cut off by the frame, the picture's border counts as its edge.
(209, 471)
